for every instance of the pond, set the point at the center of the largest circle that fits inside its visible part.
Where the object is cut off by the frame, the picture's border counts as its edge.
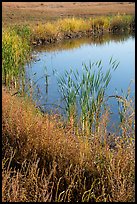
(72, 54)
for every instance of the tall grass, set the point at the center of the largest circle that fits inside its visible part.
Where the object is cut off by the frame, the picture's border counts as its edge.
(44, 161)
(100, 23)
(120, 23)
(24, 31)
(71, 28)
(86, 93)
(77, 27)
(15, 51)
(45, 31)
(126, 105)
(73, 25)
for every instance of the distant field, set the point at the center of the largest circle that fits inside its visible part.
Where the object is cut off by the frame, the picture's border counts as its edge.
(34, 12)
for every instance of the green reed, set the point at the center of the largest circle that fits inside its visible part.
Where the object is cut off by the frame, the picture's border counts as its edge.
(121, 23)
(24, 31)
(15, 52)
(114, 24)
(85, 92)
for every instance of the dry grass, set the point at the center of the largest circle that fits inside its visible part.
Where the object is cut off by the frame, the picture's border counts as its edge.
(58, 30)
(46, 160)
(43, 158)
(35, 12)
(77, 27)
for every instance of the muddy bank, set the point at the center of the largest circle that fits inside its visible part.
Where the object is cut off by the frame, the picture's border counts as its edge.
(73, 35)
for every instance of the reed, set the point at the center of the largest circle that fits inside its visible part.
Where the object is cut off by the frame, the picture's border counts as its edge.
(126, 106)
(15, 52)
(121, 23)
(85, 93)
(100, 24)
(47, 160)
(23, 31)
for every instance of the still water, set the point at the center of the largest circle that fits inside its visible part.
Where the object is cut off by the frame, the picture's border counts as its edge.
(72, 54)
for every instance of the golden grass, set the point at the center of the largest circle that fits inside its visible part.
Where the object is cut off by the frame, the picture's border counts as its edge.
(43, 159)
(73, 25)
(77, 27)
(59, 28)
(45, 30)
(52, 161)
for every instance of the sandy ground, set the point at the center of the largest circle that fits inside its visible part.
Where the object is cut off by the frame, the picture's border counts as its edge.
(33, 12)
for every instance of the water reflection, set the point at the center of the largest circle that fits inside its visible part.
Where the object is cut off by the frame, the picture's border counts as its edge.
(77, 43)
(71, 54)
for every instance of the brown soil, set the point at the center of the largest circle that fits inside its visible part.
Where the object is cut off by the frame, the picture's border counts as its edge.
(34, 12)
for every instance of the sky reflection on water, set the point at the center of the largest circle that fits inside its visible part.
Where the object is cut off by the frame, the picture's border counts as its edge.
(61, 59)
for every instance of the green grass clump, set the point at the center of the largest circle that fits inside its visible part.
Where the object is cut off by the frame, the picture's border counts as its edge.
(23, 31)
(121, 23)
(15, 51)
(85, 93)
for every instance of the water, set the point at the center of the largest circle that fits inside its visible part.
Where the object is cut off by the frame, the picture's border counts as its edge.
(71, 54)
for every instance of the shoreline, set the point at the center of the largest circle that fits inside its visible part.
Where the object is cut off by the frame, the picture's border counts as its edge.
(46, 158)
(69, 36)
(73, 28)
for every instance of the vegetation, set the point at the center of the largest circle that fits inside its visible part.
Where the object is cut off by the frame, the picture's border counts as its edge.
(16, 40)
(45, 159)
(77, 27)
(119, 23)
(75, 43)
(73, 28)
(15, 53)
(83, 94)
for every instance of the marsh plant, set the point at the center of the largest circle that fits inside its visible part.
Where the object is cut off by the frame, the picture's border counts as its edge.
(126, 110)
(15, 52)
(85, 92)
(42, 161)
(68, 27)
